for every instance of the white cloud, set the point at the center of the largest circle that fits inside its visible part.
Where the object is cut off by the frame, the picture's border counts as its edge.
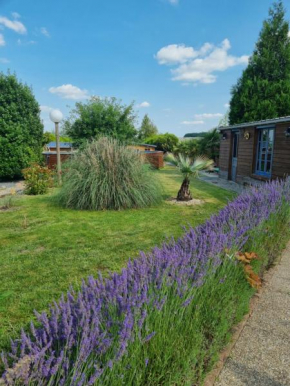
(208, 115)
(226, 105)
(199, 66)
(45, 109)
(143, 104)
(4, 61)
(68, 91)
(179, 53)
(15, 15)
(15, 25)
(44, 32)
(175, 53)
(2, 40)
(289, 34)
(174, 2)
(25, 43)
(192, 122)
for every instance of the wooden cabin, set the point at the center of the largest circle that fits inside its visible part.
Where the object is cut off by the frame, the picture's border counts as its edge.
(50, 155)
(143, 147)
(149, 152)
(50, 158)
(255, 151)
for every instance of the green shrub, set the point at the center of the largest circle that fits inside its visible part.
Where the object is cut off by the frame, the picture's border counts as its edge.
(100, 117)
(37, 179)
(107, 175)
(20, 127)
(164, 142)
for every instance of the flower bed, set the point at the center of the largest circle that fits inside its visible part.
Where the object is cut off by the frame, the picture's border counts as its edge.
(165, 317)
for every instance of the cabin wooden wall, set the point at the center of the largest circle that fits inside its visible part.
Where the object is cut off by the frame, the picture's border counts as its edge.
(225, 152)
(246, 153)
(143, 147)
(281, 155)
(156, 158)
(51, 159)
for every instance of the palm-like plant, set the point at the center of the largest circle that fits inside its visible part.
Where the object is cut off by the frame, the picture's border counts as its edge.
(188, 168)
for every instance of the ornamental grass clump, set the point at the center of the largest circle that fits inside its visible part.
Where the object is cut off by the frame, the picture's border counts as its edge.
(164, 318)
(108, 175)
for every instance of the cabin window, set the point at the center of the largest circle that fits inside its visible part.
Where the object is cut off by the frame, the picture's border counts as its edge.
(265, 152)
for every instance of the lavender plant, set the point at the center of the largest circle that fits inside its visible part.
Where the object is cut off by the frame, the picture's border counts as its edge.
(165, 314)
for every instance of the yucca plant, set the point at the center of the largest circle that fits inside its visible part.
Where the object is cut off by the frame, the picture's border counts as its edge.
(188, 168)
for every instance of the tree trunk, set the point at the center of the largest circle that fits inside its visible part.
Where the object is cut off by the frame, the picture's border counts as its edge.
(184, 192)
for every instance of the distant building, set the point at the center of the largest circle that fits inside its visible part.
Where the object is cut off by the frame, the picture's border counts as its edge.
(143, 147)
(64, 146)
(66, 150)
(149, 152)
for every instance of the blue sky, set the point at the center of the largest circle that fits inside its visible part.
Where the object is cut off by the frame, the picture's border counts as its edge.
(176, 59)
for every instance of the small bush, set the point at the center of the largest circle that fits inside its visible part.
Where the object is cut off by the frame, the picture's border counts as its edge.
(37, 179)
(108, 175)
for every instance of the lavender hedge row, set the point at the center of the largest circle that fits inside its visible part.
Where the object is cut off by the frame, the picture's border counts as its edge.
(88, 333)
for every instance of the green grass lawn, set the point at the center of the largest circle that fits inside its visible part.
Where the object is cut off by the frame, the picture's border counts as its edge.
(44, 248)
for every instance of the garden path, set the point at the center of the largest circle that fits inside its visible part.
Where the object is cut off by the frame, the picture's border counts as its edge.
(214, 179)
(261, 355)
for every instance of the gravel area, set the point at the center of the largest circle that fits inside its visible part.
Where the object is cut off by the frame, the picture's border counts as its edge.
(192, 202)
(261, 356)
(7, 188)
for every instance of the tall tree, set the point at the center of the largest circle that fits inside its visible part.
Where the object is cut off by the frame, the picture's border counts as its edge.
(148, 128)
(224, 121)
(21, 128)
(99, 117)
(263, 91)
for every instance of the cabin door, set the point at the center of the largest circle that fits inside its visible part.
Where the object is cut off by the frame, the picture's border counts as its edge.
(235, 155)
(265, 152)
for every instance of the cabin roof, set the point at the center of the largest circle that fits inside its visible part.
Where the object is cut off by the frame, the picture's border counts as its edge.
(61, 144)
(146, 144)
(257, 123)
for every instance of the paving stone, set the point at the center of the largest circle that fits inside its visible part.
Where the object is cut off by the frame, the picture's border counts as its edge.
(214, 179)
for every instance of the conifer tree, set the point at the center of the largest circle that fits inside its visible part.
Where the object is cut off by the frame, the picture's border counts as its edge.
(263, 91)
(148, 128)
